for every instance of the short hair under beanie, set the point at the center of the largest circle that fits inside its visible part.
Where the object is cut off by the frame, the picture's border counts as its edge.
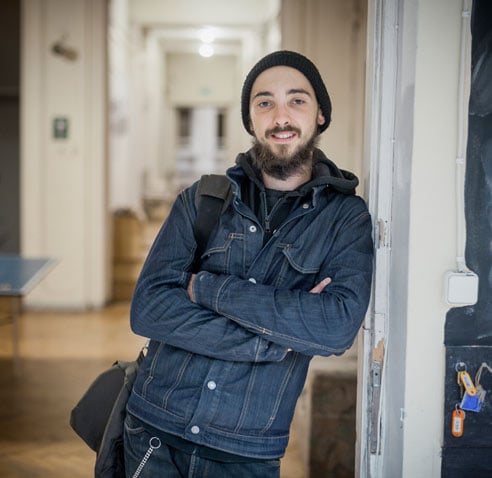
(300, 63)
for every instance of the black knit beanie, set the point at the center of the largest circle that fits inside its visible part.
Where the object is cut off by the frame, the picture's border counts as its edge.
(294, 60)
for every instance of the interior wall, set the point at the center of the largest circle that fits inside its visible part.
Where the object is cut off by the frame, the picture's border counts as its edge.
(64, 204)
(215, 83)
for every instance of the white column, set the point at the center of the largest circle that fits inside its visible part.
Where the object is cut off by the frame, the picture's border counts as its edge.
(204, 131)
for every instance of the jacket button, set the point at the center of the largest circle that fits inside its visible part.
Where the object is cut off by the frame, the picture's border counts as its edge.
(305, 205)
(252, 280)
(252, 228)
(195, 430)
(211, 385)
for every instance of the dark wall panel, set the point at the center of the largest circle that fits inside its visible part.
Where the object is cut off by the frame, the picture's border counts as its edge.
(468, 330)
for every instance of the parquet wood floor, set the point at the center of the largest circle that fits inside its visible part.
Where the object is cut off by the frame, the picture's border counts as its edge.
(60, 354)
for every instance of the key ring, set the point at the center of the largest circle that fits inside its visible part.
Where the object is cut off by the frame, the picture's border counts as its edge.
(460, 367)
(156, 441)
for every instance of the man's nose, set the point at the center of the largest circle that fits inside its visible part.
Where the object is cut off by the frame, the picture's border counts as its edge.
(282, 117)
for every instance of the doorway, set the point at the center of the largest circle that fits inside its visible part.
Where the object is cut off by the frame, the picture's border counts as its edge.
(9, 128)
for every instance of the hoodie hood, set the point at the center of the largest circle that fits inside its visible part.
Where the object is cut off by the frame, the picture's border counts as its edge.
(325, 174)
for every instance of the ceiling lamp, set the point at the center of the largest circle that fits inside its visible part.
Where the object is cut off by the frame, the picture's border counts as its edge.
(206, 50)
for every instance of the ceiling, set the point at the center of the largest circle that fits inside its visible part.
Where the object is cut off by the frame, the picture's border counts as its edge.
(223, 13)
(180, 25)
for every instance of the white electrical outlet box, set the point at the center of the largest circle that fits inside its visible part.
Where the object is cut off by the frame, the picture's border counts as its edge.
(461, 288)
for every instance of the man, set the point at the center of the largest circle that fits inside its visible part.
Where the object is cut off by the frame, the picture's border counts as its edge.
(286, 275)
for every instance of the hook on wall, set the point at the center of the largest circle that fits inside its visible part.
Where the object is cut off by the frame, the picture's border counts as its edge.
(61, 48)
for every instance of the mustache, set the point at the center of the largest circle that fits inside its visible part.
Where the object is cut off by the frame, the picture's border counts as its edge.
(283, 129)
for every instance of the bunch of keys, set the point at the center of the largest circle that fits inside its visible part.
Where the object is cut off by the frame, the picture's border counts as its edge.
(473, 394)
(472, 397)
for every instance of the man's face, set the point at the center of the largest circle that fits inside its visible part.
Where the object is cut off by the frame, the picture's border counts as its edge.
(284, 112)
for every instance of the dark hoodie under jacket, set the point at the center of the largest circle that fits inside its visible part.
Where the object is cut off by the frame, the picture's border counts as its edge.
(271, 207)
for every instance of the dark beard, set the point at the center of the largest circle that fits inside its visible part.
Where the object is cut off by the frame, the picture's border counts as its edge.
(282, 166)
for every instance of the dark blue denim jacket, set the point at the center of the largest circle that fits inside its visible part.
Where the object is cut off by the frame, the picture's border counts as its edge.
(226, 371)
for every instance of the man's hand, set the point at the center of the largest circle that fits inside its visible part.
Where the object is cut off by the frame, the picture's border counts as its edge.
(320, 287)
(189, 289)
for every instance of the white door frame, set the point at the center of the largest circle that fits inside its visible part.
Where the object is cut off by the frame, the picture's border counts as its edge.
(389, 116)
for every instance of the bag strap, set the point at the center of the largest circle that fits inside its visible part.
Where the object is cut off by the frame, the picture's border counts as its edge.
(212, 198)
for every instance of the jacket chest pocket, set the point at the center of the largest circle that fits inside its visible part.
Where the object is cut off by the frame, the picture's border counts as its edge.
(299, 266)
(224, 254)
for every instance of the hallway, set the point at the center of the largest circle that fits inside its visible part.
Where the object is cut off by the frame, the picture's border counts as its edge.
(60, 354)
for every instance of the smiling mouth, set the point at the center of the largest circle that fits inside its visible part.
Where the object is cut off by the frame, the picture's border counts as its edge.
(283, 136)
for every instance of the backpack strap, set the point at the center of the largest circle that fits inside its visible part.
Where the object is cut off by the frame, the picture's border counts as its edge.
(212, 198)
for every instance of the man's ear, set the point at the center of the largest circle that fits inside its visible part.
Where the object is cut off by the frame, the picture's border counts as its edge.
(321, 118)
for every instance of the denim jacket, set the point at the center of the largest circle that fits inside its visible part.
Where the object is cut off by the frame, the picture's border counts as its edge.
(226, 371)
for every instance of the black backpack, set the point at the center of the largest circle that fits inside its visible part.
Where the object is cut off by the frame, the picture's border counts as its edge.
(99, 416)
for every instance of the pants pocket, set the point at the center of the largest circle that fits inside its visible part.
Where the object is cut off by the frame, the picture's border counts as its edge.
(139, 446)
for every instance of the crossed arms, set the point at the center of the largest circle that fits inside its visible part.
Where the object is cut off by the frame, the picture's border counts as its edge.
(226, 317)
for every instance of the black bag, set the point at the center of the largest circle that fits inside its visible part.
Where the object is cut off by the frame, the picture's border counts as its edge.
(98, 418)
(99, 415)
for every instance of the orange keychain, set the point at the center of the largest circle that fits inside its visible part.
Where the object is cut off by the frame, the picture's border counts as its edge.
(465, 380)
(457, 422)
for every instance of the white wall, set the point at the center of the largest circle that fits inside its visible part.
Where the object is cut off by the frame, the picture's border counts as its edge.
(193, 80)
(432, 241)
(63, 182)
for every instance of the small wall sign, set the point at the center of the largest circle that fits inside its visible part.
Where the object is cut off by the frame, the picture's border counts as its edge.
(60, 127)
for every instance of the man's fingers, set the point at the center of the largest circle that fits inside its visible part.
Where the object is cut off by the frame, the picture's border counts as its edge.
(189, 289)
(319, 287)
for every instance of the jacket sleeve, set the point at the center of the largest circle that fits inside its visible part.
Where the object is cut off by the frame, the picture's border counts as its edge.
(313, 324)
(161, 309)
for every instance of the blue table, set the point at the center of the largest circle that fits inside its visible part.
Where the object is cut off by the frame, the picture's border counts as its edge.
(18, 276)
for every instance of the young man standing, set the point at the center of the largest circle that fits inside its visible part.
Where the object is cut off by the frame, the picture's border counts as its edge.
(286, 275)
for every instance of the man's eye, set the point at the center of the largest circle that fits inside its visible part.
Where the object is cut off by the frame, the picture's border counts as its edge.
(298, 101)
(264, 104)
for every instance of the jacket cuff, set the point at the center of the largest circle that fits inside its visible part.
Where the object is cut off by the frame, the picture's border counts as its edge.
(207, 288)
